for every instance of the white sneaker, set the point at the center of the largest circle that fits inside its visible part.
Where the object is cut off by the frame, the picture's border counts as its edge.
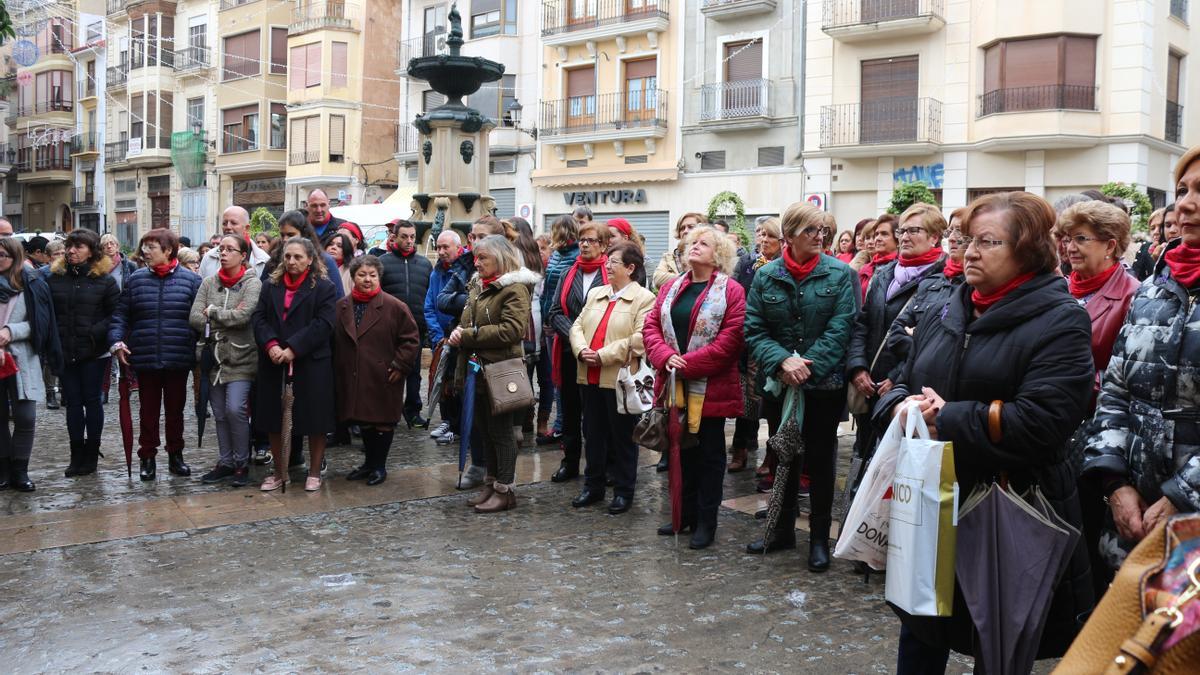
(473, 478)
(440, 430)
(448, 438)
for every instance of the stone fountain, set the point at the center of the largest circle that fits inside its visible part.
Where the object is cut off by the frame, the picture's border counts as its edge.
(452, 175)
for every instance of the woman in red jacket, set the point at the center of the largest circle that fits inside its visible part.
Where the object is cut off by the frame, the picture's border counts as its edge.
(695, 329)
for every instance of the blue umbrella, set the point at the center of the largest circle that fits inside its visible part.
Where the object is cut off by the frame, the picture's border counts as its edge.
(468, 415)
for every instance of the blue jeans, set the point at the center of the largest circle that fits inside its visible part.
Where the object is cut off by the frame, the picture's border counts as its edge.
(80, 384)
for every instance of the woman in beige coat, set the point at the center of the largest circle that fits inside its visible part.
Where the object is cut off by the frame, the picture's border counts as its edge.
(606, 335)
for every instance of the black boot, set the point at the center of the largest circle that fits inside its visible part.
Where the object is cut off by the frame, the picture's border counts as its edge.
(51, 399)
(18, 475)
(378, 457)
(782, 539)
(818, 544)
(76, 458)
(176, 465)
(89, 457)
(703, 536)
(4, 464)
(783, 535)
(663, 463)
(568, 470)
(149, 469)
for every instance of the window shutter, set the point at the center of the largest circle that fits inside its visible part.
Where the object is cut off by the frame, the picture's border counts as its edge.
(279, 51)
(337, 136)
(635, 70)
(296, 69)
(581, 82)
(1173, 67)
(747, 64)
(312, 71)
(1032, 63)
(339, 54)
(991, 68)
(1080, 61)
(889, 78)
(297, 136)
(770, 156)
(312, 134)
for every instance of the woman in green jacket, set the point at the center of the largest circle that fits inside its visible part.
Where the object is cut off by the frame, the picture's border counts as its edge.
(798, 318)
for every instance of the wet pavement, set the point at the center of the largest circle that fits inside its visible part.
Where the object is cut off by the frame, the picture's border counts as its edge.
(108, 574)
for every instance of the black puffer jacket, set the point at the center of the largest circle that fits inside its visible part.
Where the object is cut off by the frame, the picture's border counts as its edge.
(561, 318)
(406, 278)
(874, 320)
(85, 298)
(932, 294)
(1031, 350)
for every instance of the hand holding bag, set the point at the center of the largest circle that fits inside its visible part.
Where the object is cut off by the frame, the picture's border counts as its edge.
(864, 535)
(635, 388)
(508, 385)
(651, 430)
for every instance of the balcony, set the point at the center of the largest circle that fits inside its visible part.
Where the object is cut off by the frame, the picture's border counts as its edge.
(115, 153)
(115, 7)
(1174, 127)
(618, 116)
(6, 161)
(231, 143)
(408, 142)
(160, 56)
(233, 4)
(84, 144)
(87, 88)
(84, 198)
(730, 106)
(735, 9)
(896, 126)
(855, 20)
(1045, 97)
(304, 157)
(192, 60)
(117, 76)
(43, 107)
(431, 44)
(1179, 9)
(318, 14)
(570, 22)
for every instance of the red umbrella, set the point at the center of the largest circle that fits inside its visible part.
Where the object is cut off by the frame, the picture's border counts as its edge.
(126, 417)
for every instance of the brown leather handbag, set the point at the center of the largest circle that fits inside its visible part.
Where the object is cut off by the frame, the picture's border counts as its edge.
(508, 385)
(1133, 628)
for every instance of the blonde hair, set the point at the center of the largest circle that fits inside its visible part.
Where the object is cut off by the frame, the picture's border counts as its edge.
(724, 252)
(928, 216)
(701, 219)
(771, 227)
(500, 248)
(601, 230)
(187, 256)
(801, 215)
(563, 231)
(107, 237)
(1190, 156)
(1109, 222)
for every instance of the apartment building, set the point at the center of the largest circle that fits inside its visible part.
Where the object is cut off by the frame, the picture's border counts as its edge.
(505, 31)
(10, 201)
(743, 82)
(42, 123)
(91, 106)
(607, 123)
(341, 100)
(976, 96)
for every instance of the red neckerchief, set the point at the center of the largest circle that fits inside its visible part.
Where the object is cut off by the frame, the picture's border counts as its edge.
(228, 280)
(165, 268)
(293, 285)
(593, 372)
(588, 266)
(446, 265)
(489, 280)
(983, 302)
(799, 271)
(395, 249)
(882, 259)
(359, 296)
(926, 258)
(952, 268)
(1081, 287)
(1184, 262)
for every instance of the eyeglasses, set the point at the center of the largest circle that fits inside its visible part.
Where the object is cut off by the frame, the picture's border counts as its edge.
(590, 241)
(982, 244)
(1079, 239)
(813, 231)
(910, 231)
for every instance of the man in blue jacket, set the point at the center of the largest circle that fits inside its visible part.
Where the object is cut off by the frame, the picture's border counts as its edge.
(449, 248)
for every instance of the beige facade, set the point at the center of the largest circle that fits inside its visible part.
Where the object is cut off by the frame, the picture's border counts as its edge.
(972, 97)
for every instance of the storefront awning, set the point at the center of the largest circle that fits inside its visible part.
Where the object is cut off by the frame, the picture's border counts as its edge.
(607, 178)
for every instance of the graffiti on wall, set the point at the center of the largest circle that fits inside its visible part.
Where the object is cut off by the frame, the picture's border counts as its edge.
(929, 174)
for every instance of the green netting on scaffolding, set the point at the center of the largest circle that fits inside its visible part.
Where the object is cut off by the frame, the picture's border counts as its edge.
(189, 150)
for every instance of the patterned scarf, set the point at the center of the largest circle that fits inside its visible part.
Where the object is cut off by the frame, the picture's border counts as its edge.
(709, 316)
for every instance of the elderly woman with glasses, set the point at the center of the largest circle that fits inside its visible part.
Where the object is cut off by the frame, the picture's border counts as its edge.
(932, 292)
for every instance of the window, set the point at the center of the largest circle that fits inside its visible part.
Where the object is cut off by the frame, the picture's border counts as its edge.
(508, 95)
(636, 159)
(306, 67)
(492, 99)
(337, 138)
(713, 160)
(493, 17)
(742, 94)
(279, 51)
(137, 116)
(198, 32)
(195, 114)
(1057, 72)
(241, 56)
(338, 56)
(305, 146)
(278, 126)
(770, 156)
(888, 92)
(581, 95)
(95, 30)
(1173, 128)
(239, 129)
(431, 99)
(641, 80)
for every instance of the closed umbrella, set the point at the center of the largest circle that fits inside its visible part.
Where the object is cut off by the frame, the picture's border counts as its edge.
(208, 361)
(438, 362)
(788, 445)
(285, 424)
(468, 416)
(125, 416)
(674, 468)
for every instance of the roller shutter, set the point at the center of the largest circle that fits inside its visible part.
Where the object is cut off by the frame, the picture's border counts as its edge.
(506, 202)
(655, 226)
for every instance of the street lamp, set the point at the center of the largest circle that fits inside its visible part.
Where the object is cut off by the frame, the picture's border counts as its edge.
(513, 113)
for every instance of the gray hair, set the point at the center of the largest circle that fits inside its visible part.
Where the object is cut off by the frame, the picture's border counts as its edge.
(500, 248)
(453, 235)
(1063, 203)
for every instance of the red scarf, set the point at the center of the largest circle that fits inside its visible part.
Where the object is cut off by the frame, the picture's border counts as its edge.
(587, 266)
(1184, 262)
(882, 259)
(364, 298)
(983, 302)
(1081, 287)
(952, 268)
(228, 280)
(446, 265)
(488, 280)
(293, 285)
(845, 257)
(926, 258)
(799, 271)
(395, 248)
(593, 372)
(165, 268)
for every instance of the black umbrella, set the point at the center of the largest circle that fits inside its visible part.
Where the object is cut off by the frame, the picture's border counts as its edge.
(208, 361)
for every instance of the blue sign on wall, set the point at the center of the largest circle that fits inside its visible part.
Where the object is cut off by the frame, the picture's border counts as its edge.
(25, 53)
(929, 174)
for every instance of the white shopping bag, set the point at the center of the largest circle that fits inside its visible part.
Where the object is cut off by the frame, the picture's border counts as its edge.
(924, 522)
(864, 535)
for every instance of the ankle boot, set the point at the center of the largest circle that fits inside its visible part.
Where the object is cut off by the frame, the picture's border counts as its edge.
(89, 457)
(703, 536)
(543, 420)
(782, 538)
(484, 494)
(737, 461)
(4, 465)
(176, 465)
(818, 544)
(18, 475)
(369, 439)
(503, 499)
(76, 458)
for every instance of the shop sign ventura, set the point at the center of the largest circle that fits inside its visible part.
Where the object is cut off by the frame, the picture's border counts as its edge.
(595, 197)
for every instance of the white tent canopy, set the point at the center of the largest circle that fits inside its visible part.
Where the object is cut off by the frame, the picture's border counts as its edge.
(366, 215)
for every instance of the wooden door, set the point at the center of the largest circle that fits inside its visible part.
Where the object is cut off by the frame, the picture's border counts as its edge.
(160, 211)
(641, 90)
(889, 100)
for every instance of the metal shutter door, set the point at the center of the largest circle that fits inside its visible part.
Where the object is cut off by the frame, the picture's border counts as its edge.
(655, 226)
(506, 202)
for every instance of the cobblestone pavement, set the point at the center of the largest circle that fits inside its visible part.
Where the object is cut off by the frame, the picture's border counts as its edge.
(421, 585)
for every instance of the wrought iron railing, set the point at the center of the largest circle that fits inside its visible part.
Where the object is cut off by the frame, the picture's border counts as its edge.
(561, 16)
(116, 151)
(1174, 126)
(116, 6)
(730, 100)
(430, 44)
(620, 110)
(321, 14)
(85, 198)
(230, 4)
(304, 157)
(154, 56)
(408, 139)
(191, 58)
(87, 87)
(53, 161)
(890, 120)
(1179, 9)
(1045, 97)
(117, 75)
(844, 13)
(45, 107)
(85, 142)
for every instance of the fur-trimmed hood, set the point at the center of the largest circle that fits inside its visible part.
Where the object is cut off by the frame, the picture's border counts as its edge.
(98, 269)
(521, 276)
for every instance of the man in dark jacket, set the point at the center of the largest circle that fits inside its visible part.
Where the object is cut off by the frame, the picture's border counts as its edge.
(406, 278)
(324, 223)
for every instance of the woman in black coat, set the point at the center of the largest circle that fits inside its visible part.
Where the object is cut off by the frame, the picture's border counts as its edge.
(293, 325)
(1015, 343)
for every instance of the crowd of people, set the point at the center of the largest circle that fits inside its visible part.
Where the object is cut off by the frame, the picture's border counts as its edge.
(1015, 326)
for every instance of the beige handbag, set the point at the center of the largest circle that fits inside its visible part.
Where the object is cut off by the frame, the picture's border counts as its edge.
(508, 385)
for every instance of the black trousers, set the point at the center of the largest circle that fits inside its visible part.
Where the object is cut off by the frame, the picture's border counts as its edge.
(412, 394)
(572, 409)
(703, 470)
(821, 412)
(610, 447)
